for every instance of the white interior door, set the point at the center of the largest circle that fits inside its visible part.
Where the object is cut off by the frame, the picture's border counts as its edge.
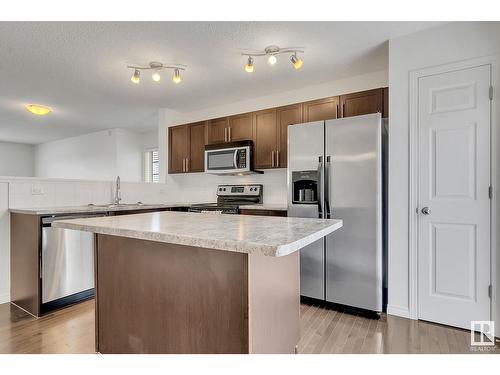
(454, 204)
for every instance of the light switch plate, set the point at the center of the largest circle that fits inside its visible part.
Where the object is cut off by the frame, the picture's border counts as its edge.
(37, 190)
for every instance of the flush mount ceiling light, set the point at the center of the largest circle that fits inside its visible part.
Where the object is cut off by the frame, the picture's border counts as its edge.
(38, 109)
(157, 67)
(272, 52)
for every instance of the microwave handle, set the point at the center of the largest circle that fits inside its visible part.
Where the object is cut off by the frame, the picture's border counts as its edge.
(235, 159)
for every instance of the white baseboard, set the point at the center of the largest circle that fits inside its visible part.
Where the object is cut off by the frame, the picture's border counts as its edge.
(401, 311)
(4, 298)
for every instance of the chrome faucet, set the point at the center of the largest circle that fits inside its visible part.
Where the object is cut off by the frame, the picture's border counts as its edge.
(118, 197)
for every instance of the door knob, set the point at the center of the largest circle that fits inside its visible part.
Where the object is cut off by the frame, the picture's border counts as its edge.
(426, 210)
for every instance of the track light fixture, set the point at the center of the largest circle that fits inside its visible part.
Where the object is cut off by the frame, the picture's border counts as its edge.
(272, 52)
(157, 67)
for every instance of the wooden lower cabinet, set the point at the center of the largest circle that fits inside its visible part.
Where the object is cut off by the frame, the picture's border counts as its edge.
(362, 103)
(263, 212)
(286, 116)
(162, 298)
(25, 255)
(266, 139)
(322, 109)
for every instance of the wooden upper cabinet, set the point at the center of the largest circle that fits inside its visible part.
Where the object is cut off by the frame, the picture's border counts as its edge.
(178, 145)
(196, 161)
(217, 130)
(286, 116)
(362, 103)
(240, 127)
(385, 111)
(266, 139)
(322, 109)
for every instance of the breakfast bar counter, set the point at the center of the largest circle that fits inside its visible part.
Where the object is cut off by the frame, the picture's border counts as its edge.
(175, 282)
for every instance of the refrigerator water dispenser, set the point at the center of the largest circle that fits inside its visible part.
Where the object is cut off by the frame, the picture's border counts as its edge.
(305, 187)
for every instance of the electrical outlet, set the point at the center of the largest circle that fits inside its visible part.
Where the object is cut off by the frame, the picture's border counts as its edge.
(37, 190)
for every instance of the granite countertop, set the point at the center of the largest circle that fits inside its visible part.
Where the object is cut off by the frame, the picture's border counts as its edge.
(266, 235)
(129, 206)
(96, 208)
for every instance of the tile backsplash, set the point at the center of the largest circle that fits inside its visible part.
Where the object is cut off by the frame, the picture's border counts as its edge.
(190, 188)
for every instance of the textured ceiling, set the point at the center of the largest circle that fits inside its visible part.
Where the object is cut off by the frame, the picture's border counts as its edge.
(79, 68)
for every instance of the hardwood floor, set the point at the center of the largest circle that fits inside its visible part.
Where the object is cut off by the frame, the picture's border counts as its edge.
(69, 330)
(323, 330)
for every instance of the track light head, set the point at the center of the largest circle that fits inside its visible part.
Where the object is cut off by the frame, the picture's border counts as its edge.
(177, 76)
(249, 65)
(136, 78)
(296, 61)
(272, 60)
(156, 76)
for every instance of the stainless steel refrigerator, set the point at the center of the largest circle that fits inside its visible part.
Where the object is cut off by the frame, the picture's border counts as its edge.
(335, 171)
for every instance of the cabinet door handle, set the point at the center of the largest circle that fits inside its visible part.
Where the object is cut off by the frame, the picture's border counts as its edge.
(225, 134)
(183, 165)
(229, 133)
(343, 109)
(187, 164)
(277, 158)
(272, 158)
(337, 112)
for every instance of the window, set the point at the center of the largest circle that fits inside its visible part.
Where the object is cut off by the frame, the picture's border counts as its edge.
(151, 166)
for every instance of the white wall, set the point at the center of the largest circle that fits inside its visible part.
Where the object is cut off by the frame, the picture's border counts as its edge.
(442, 45)
(201, 187)
(96, 156)
(150, 139)
(90, 156)
(129, 150)
(17, 159)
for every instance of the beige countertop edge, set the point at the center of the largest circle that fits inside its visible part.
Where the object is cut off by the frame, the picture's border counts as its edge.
(247, 247)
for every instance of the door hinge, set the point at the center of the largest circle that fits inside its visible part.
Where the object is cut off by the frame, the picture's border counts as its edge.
(491, 93)
(490, 192)
(490, 290)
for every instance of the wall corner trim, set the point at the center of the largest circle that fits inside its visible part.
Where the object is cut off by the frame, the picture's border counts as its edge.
(4, 298)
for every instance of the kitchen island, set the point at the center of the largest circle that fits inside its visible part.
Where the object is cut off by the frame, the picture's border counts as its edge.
(175, 282)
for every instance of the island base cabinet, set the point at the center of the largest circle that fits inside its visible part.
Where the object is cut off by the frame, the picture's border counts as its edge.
(154, 297)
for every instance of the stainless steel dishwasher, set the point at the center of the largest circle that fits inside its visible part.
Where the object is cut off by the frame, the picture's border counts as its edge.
(67, 263)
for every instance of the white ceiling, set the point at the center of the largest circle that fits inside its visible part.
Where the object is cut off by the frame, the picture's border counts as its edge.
(79, 68)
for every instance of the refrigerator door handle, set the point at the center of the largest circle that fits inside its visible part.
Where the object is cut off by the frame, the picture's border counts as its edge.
(327, 188)
(320, 189)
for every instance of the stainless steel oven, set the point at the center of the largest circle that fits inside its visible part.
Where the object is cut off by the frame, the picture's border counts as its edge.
(232, 158)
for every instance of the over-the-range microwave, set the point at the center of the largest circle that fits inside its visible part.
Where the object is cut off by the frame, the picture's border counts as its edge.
(230, 158)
